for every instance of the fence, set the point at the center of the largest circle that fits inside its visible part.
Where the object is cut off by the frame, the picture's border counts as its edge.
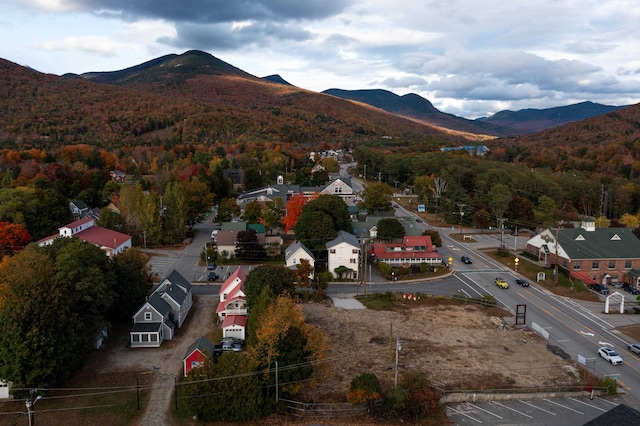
(323, 410)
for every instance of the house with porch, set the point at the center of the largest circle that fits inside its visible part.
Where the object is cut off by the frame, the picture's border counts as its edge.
(413, 250)
(590, 254)
(344, 254)
(163, 313)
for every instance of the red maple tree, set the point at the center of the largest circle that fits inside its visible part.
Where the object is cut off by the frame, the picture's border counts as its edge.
(13, 238)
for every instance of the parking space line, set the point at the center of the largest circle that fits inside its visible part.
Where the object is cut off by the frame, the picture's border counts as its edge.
(539, 408)
(563, 406)
(588, 405)
(486, 411)
(607, 401)
(513, 409)
(464, 414)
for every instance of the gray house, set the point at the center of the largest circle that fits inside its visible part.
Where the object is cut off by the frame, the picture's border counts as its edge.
(164, 311)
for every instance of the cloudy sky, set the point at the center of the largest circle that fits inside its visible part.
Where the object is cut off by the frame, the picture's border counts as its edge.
(470, 58)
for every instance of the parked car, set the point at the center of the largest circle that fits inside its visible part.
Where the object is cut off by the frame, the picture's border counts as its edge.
(600, 288)
(466, 259)
(634, 347)
(395, 206)
(418, 220)
(630, 288)
(610, 355)
(212, 276)
(522, 283)
(500, 282)
(211, 266)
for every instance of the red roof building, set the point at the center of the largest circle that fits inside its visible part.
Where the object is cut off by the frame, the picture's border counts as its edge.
(412, 250)
(112, 242)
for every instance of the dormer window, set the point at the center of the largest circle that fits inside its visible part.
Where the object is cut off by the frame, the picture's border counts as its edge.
(147, 316)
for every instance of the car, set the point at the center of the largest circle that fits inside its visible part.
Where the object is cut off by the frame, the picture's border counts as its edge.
(214, 233)
(600, 288)
(418, 220)
(500, 282)
(212, 276)
(395, 206)
(522, 283)
(634, 347)
(211, 266)
(630, 288)
(466, 260)
(610, 355)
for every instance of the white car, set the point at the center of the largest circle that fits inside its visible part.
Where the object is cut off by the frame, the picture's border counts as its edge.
(634, 347)
(610, 355)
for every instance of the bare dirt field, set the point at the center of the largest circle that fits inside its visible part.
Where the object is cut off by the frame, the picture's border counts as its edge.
(457, 346)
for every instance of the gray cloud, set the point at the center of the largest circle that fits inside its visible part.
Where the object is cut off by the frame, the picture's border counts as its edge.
(215, 11)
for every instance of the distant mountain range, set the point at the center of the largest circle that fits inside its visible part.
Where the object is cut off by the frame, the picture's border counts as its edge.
(504, 123)
(223, 102)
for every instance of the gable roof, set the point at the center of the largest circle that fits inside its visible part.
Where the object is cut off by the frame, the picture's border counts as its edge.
(176, 277)
(238, 274)
(156, 302)
(344, 237)
(234, 320)
(226, 238)
(294, 248)
(201, 344)
(601, 243)
(222, 306)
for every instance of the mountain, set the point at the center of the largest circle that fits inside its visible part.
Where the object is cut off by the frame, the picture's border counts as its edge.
(534, 120)
(193, 98)
(419, 108)
(277, 79)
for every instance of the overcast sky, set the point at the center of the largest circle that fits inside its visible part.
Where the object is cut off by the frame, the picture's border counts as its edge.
(470, 58)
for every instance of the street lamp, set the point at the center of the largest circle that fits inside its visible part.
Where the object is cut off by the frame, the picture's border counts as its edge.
(29, 403)
(516, 261)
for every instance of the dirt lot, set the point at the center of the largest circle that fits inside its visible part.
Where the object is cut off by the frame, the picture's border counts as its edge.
(457, 346)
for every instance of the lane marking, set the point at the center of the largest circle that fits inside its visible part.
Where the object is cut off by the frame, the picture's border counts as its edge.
(487, 411)
(539, 408)
(513, 409)
(464, 414)
(588, 405)
(563, 406)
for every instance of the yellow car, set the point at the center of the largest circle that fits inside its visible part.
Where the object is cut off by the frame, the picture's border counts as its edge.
(502, 283)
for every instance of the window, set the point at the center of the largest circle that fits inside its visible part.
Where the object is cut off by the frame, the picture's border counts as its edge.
(337, 190)
(145, 337)
(595, 265)
(352, 260)
(147, 316)
(332, 251)
(154, 337)
(354, 251)
(627, 264)
(135, 338)
(612, 265)
(294, 260)
(576, 266)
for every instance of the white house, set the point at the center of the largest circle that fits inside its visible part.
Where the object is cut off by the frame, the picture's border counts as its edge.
(296, 252)
(234, 326)
(232, 297)
(344, 250)
(341, 187)
(112, 242)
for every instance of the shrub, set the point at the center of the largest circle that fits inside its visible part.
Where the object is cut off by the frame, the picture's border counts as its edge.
(364, 388)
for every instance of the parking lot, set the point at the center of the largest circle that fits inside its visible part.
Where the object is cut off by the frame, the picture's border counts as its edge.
(547, 411)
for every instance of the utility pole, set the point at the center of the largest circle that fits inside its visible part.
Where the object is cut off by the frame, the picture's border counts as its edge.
(379, 176)
(398, 349)
(501, 226)
(461, 206)
(555, 273)
(30, 403)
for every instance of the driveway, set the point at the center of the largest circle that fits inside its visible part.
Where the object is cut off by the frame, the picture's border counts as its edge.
(161, 366)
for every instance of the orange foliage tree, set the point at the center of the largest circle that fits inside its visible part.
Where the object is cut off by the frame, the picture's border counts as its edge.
(294, 209)
(13, 238)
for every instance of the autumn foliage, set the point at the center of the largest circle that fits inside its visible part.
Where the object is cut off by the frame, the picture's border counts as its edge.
(13, 237)
(294, 210)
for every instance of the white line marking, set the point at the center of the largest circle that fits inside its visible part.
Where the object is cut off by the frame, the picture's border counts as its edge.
(463, 414)
(486, 411)
(512, 409)
(539, 408)
(563, 406)
(588, 405)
